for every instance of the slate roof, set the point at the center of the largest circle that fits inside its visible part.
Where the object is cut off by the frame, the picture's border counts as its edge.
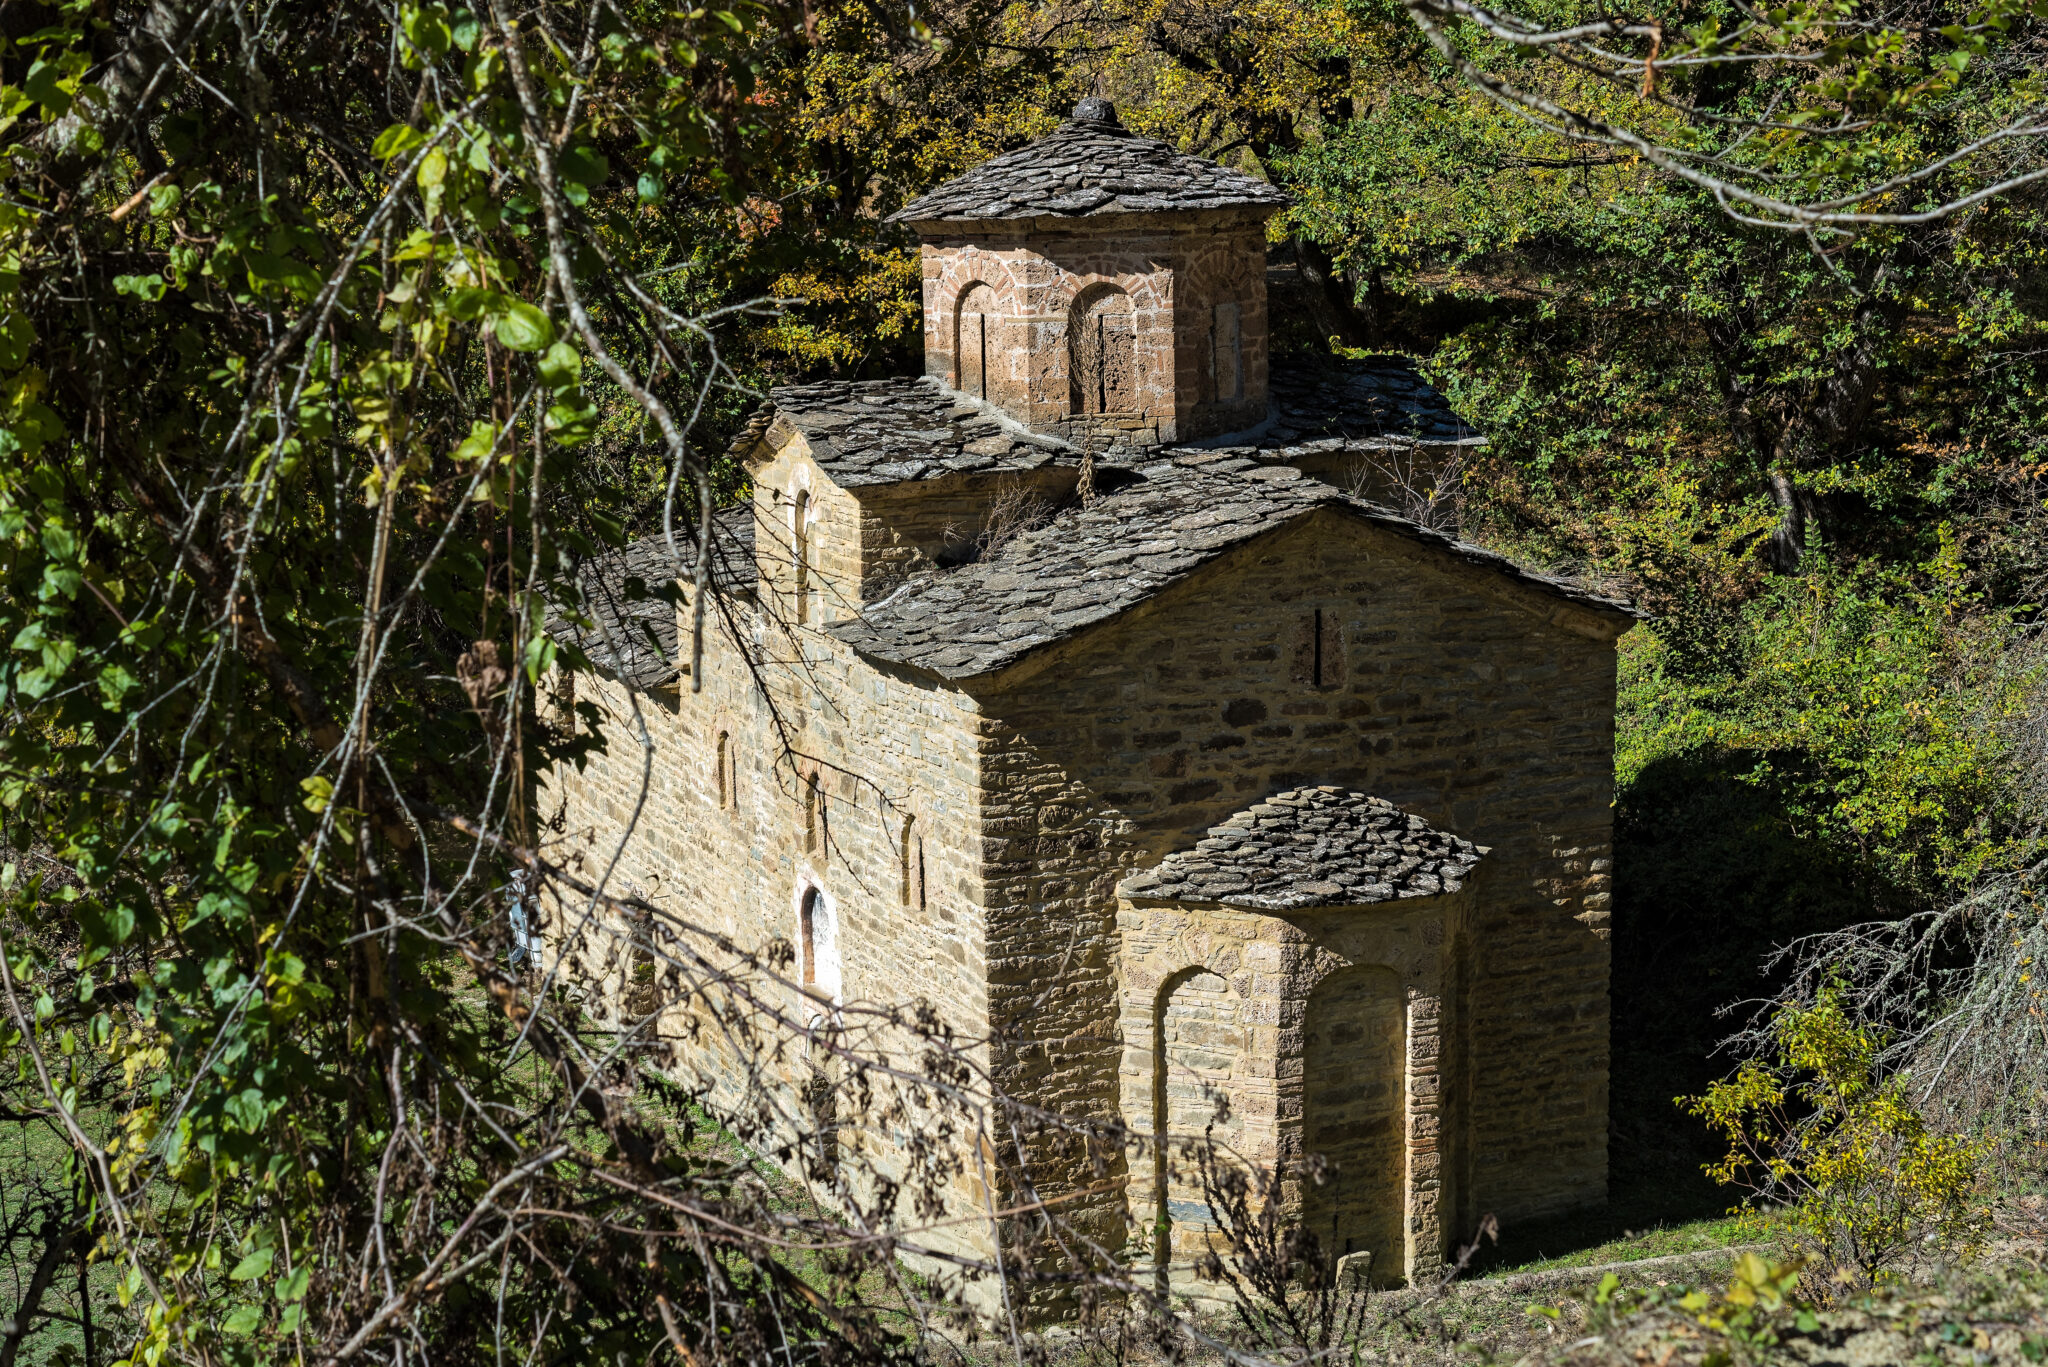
(1312, 847)
(630, 597)
(1088, 564)
(1089, 166)
(869, 432)
(1359, 402)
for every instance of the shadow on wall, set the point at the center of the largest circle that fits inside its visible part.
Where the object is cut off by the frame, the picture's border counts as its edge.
(1709, 875)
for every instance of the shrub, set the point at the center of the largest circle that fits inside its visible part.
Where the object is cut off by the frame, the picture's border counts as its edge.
(1820, 1125)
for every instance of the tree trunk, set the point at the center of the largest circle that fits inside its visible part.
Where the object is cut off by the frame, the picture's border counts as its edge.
(59, 1241)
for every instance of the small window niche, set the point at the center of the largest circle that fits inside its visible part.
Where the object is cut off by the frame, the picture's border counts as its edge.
(1102, 364)
(973, 326)
(1319, 650)
(911, 864)
(725, 776)
(813, 785)
(800, 551)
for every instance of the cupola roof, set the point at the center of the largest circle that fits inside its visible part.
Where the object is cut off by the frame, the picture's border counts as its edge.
(1089, 167)
(1312, 847)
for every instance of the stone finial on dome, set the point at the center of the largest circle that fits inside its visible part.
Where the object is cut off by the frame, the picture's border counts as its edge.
(1097, 111)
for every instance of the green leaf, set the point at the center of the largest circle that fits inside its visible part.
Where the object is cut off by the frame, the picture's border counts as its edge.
(42, 84)
(253, 1266)
(149, 287)
(433, 169)
(583, 165)
(396, 141)
(522, 327)
(244, 1321)
(428, 29)
(482, 439)
(540, 654)
(562, 366)
(293, 1287)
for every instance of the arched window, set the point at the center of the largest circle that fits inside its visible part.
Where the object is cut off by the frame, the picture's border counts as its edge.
(912, 864)
(808, 918)
(818, 946)
(726, 773)
(800, 548)
(1102, 339)
(974, 326)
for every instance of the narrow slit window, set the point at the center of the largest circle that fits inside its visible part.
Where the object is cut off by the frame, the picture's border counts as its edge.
(912, 859)
(808, 929)
(814, 812)
(800, 547)
(723, 759)
(1319, 650)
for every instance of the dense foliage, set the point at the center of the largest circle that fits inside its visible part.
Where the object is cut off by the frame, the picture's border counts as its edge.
(333, 339)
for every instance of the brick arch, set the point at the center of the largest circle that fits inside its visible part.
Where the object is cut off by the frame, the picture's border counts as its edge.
(1102, 352)
(977, 337)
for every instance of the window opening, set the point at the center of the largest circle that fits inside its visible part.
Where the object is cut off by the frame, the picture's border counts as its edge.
(800, 542)
(808, 928)
(970, 340)
(814, 812)
(724, 759)
(1319, 650)
(912, 861)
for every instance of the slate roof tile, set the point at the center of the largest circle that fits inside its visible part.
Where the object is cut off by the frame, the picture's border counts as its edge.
(870, 432)
(630, 598)
(1087, 167)
(1062, 576)
(1312, 847)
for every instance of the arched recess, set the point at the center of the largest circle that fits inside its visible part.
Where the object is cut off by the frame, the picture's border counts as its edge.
(1200, 1048)
(1102, 362)
(1354, 1109)
(974, 339)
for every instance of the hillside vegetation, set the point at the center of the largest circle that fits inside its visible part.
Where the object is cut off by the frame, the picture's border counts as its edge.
(336, 338)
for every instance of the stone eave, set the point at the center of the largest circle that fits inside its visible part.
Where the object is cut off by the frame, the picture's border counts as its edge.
(1172, 220)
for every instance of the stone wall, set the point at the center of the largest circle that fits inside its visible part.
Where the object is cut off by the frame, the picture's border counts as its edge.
(1323, 1030)
(1480, 705)
(890, 757)
(862, 544)
(1003, 315)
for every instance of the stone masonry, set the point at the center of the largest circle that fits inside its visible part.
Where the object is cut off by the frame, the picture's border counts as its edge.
(1221, 792)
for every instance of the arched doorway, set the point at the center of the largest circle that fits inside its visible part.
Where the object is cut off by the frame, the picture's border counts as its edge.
(1354, 1112)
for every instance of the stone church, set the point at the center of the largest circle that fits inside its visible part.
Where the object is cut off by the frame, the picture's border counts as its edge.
(1087, 687)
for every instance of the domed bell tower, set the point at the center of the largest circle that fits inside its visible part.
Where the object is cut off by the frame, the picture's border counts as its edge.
(1100, 287)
